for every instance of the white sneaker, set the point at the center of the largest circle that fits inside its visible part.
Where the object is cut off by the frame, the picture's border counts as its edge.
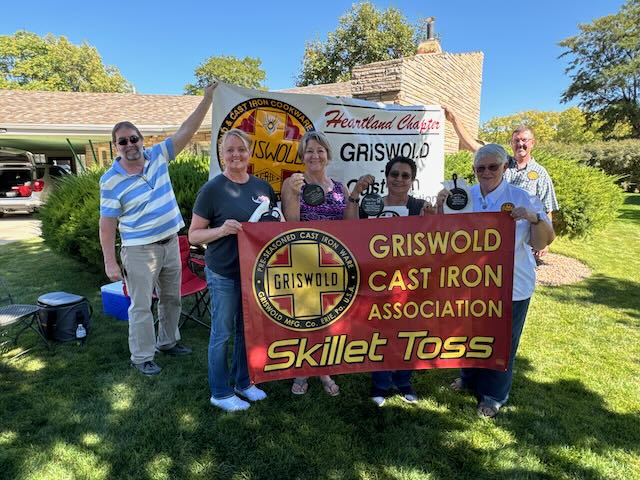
(252, 393)
(409, 397)
(379, 401)
(231, 404)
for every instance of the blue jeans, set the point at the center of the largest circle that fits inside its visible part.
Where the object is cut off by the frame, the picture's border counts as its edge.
(226, 320)
(382, 382)
(490, 386)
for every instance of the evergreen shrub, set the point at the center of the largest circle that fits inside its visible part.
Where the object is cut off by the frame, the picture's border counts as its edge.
(620, 158)
(72, 212)
(589, 198)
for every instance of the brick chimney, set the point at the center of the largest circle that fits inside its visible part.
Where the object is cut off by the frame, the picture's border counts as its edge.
(431, 43)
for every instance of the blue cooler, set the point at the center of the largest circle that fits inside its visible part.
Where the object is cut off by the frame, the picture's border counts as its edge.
(114, 301)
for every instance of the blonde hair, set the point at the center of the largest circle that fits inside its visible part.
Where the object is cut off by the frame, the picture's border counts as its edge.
(236, 132)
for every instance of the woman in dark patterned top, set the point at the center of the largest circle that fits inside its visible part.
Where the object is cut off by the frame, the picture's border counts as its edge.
(400, 173)
(315, 152)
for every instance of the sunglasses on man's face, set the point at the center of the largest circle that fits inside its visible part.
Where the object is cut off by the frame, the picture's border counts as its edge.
(133, 139)
(492, 168)
(403, 175)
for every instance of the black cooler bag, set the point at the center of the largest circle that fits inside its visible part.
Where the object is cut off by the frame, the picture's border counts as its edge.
(61, 313)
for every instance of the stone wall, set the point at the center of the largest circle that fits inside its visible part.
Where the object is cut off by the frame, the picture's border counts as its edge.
(340, 89)
(453, 79)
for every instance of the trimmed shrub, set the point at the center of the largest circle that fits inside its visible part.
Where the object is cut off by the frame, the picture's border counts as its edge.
(188, 173)
(616, 157)
(70, 218)
(72, 212)
(589, 198)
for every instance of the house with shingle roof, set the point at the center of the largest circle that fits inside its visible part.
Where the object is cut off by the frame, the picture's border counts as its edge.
(57, 126)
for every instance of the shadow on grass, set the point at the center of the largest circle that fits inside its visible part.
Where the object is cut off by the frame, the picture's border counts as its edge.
(84, 413)
(128, 426)
(615, 293)
(629, 210)
(632, 199)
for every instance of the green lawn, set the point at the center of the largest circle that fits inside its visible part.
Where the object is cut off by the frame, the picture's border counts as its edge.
(574, 412)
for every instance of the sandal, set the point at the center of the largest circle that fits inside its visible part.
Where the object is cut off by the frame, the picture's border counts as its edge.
(299, 386)
(330, 386)
(487, 411)
(458, 385)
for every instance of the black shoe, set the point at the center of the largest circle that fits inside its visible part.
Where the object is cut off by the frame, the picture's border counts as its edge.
(176, 350)
(147, 368)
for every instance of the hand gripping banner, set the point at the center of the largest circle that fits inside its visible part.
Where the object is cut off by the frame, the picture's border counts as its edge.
(401, 293)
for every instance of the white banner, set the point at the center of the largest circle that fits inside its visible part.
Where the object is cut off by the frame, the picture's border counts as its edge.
(364, 135)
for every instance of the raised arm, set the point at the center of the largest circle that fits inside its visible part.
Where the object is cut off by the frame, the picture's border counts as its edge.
(193, 122)
(467, 142)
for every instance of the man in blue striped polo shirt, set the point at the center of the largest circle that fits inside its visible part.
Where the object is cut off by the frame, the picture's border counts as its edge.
(137, 198)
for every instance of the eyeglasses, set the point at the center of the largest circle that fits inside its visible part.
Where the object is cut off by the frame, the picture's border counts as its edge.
(403, 175)
(133, 139)
(492, 168)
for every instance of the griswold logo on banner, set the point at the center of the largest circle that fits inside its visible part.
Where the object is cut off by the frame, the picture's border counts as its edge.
(386, 294)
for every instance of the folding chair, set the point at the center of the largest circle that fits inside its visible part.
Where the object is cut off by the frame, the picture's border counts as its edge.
(18, 316)
(194, 285)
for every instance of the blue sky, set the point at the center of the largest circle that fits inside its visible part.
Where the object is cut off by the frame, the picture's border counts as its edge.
(158, 45)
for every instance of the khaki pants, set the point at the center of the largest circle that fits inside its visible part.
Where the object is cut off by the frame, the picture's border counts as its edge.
(147, 267)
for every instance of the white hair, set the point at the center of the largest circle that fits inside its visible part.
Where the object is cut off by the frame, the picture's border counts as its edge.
(491, 150)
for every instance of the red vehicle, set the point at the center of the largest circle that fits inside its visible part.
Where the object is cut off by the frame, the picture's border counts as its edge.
(23, 185)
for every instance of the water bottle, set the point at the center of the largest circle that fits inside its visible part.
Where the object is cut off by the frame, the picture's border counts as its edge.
(81, 333)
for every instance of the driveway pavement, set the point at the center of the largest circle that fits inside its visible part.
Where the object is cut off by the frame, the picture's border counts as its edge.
(16, 227)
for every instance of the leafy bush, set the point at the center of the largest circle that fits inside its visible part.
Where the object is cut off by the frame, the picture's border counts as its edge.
(188, 173)
(588, 197)
(460, 163)
(616, 157)
(70, 216)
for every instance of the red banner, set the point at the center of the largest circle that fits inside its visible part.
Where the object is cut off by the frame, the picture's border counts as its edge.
(403, 293)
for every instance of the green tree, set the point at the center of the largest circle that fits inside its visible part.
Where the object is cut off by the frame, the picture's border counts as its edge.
(499, 129)
(604, 67)
(31, 62)
(572, 127)
(246, 72)
(364, 35)
(569, 126)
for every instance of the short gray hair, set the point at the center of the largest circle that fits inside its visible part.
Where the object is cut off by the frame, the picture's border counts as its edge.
(522, 129)
(319, 137)
(491, 150)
